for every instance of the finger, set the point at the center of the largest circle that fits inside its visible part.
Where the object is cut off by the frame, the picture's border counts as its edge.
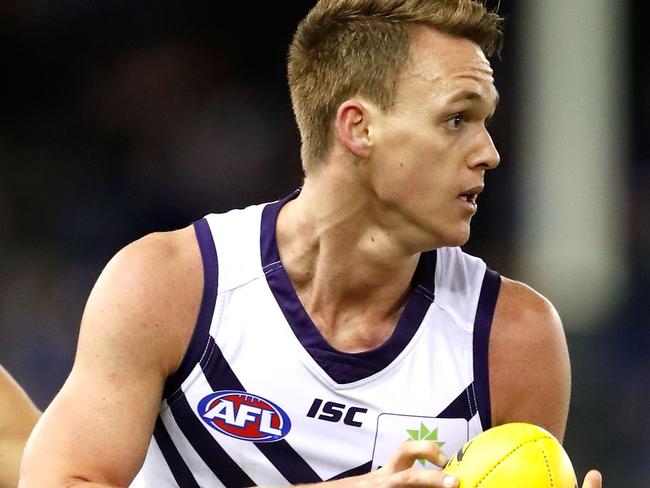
(410, 451)
(415, 477)
(593, 479)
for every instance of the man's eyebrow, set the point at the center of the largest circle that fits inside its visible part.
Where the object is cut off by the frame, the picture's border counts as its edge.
(472, 96)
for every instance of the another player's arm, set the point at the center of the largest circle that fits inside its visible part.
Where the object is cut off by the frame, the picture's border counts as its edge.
(17, 418)
(530, 377)
(135, 329)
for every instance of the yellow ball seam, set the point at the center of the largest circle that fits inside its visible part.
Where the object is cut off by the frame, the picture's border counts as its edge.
(548, 468)
(505, 456)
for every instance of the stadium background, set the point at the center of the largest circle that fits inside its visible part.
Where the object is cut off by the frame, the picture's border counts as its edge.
(122, 118)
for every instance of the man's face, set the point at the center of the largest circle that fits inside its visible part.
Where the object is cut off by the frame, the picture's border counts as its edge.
(432, 148)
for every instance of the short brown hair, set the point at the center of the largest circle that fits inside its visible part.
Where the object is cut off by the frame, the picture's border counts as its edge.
(344, 48)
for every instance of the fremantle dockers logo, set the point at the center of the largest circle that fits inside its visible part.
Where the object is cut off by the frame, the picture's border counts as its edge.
(244, 416)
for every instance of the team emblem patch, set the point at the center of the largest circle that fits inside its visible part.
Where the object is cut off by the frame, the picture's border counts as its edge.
(393, 429)
(244, 416)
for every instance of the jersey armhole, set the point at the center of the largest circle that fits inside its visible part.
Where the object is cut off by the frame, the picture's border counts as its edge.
(482, 327)
(201, 334)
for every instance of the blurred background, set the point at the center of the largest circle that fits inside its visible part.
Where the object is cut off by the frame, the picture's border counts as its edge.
(122, 118)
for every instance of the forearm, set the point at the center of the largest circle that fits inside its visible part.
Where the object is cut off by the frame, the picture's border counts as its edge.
(48, 464)
(89, 484)
(26, 482)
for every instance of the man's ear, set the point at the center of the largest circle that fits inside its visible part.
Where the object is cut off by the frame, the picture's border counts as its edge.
(353, 128)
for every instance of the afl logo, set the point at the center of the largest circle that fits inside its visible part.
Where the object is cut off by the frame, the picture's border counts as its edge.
(244, 416)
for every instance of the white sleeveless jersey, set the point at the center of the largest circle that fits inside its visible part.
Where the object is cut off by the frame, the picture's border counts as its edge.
(262, 399)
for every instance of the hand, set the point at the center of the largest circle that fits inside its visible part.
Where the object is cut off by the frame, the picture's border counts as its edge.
(593, 479)
(399, 471)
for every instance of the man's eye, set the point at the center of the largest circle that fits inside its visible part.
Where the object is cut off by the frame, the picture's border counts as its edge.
(455, 121)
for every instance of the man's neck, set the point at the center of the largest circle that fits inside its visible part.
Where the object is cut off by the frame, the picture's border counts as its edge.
(348, 269)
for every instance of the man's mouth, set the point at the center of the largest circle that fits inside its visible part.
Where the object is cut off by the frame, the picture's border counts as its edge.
(471, 195)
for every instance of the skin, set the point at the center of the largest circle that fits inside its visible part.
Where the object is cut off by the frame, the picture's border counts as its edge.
(391, 188)
(17, 418)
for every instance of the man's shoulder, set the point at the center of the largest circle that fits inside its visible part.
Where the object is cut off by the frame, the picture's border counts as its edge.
(519, 305)
(164, 268)
(150, 292)
(524, 319)
(165, 247)
(528, 357)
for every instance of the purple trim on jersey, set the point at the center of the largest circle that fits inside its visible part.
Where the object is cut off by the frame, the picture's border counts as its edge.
(199, 341)
(287, 461)
(359, 470)
(462, 407)
(181, 473)
(268, 245)
(217, 459)
(340, 366)
(482, 325)
(221, 377)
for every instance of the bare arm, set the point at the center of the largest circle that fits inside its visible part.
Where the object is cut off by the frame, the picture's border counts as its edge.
(530, 377)
(17, 418)
(135, 328)
(530, 373)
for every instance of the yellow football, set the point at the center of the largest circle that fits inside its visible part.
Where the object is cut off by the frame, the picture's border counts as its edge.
(516, 455)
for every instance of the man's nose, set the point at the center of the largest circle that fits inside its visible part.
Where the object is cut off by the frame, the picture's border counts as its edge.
(486, 155)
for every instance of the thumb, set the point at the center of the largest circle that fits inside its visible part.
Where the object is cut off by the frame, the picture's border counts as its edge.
(593, 479)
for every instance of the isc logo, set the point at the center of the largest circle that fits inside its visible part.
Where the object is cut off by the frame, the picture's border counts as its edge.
(334, 412)
(244, 416)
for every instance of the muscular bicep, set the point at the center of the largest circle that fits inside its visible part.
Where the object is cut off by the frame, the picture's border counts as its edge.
(99, 425)
(529, 362)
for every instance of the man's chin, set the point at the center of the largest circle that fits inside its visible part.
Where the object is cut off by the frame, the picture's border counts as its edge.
(437, 236)
(457, 242)
(457, 238)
